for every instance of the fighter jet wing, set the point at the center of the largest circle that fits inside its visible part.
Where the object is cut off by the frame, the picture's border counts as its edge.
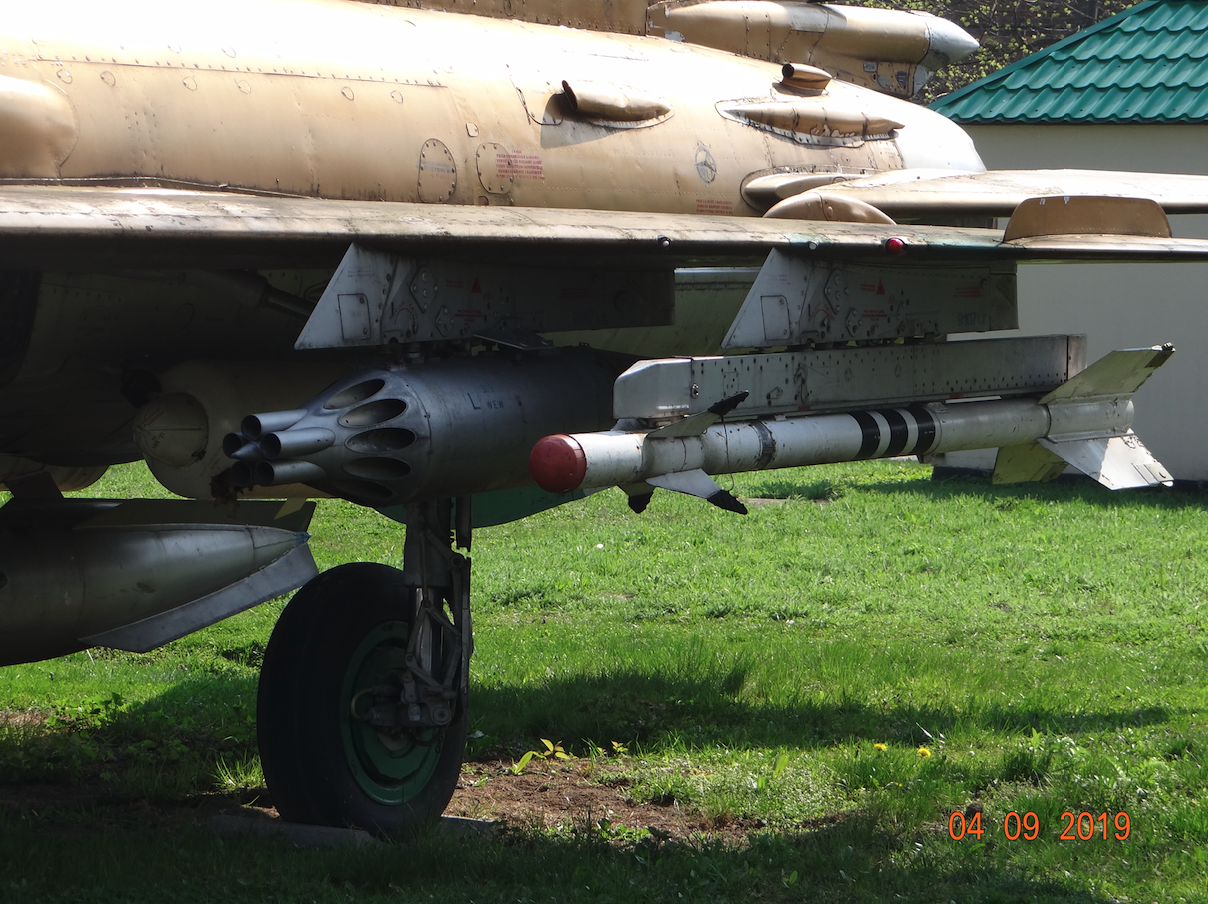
(920, 193)
(72, 228)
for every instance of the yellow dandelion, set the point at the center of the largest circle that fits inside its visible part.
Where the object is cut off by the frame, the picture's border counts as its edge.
(879, 746)
(923, 752)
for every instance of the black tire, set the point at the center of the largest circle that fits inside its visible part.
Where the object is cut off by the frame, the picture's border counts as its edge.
(338, 634)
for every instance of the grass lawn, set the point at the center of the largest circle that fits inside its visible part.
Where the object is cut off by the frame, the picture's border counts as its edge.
(830, 686)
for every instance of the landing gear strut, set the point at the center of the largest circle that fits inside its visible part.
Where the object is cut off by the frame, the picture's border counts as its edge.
(362, 701)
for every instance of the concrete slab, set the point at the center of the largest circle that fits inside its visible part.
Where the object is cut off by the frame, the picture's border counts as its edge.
(296, 833)
(464, 827)
(308, 836)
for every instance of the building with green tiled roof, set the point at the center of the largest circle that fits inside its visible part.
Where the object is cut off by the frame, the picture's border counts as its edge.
(1148, 64)
(1130, 93)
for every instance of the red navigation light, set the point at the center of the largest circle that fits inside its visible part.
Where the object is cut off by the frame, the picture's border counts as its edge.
(895, 245)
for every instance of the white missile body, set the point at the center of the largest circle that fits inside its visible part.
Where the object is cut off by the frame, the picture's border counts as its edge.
(1086, 422)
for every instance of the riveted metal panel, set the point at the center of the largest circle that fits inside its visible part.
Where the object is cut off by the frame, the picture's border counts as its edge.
(837, 379)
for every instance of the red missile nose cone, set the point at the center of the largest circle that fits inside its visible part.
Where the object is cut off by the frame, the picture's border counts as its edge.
(557, 463)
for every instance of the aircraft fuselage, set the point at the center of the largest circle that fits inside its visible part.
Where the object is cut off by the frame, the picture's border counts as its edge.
(354, 101)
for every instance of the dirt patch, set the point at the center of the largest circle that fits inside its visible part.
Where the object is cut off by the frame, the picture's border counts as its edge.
(21, 718)
(577, 795)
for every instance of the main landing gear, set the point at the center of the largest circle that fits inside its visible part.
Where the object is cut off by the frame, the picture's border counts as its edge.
(362, 701)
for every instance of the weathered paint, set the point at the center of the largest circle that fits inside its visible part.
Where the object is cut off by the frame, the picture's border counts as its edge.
(354, 101)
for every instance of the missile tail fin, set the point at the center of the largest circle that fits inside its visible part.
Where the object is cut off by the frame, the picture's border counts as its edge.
(1111, 454)
(1118, 373)
(1117, 462)
(1024, 464)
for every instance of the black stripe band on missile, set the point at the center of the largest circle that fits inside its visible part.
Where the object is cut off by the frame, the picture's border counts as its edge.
(890, 432)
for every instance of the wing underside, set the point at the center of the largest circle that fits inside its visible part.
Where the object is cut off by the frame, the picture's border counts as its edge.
(73, 228)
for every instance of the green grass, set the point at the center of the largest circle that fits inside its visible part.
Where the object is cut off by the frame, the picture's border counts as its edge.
(1045, 645)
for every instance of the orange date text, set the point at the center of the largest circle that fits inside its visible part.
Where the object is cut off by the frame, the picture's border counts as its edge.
(1082, 826)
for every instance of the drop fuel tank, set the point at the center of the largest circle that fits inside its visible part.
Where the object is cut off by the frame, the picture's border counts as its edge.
(136, 574)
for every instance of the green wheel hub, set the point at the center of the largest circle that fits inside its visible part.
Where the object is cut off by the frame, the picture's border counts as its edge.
(391, 765)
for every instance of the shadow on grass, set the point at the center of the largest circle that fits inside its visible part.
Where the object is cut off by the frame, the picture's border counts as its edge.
(158, 748)
(1065, 490)
(81, 853)
(661, 710)
(850, 860)
(166, 745)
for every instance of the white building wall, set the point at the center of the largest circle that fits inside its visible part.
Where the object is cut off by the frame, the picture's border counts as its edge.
(1125, 305)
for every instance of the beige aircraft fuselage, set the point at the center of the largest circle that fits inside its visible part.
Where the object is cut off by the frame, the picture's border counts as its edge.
(356, 101)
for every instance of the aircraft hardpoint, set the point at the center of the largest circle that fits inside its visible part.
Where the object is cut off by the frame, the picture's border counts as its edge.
(461, 268)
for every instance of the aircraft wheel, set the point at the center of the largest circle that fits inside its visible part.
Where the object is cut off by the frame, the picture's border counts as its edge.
(335, 662)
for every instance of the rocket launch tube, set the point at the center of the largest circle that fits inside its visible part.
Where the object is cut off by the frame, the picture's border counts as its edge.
(288, 444)
(562, 462)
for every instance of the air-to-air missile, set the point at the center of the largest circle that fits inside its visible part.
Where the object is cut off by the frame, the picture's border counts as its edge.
(1085, 422)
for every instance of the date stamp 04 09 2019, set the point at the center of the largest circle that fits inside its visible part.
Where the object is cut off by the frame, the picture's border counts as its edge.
(1077, 827)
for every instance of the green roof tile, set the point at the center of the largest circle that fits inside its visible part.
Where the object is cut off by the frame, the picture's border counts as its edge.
(1148, 64)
